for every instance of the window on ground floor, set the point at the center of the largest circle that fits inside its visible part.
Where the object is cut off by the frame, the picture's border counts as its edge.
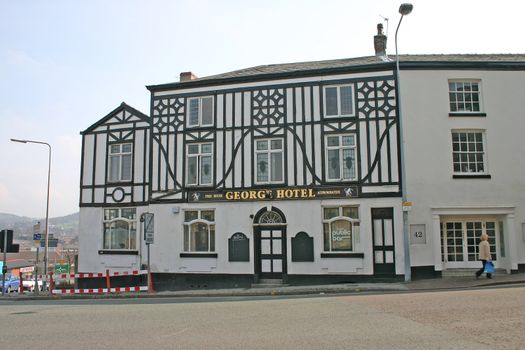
(340, 226)
(199, 230)
(460, 239)
(120, 228)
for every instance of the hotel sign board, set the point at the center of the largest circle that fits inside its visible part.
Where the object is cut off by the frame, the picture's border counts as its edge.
(285, 193)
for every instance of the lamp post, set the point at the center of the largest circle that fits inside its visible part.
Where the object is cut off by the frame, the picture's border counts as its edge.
(404, 10)
(46, 235)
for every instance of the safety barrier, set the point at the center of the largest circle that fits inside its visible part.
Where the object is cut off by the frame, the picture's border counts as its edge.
(100, 290)
(107, 275)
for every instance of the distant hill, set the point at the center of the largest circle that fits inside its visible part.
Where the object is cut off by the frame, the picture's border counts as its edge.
(65, 228)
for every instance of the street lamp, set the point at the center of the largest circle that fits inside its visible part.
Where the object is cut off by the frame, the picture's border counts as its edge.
(46, 235)
(404, 10)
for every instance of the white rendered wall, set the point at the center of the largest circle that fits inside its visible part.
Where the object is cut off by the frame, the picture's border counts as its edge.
(428, 146)
(235, 217)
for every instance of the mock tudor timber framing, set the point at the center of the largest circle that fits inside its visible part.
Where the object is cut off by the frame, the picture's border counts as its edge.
(123, 125)
(293, 112)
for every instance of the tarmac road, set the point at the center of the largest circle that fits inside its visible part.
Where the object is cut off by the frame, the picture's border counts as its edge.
(434, 320)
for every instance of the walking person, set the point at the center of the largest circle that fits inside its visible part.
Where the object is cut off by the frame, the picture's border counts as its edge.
(484, 254)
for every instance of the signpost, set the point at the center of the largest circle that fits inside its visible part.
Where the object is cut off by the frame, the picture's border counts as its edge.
(37, 237)
(147, 221)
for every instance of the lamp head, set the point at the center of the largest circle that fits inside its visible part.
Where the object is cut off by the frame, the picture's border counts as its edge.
(405, 9)
(17, 140)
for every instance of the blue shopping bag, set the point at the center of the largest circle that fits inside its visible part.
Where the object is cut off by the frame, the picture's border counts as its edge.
(489, 267)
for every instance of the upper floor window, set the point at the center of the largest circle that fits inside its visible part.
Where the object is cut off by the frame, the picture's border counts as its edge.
(340, 226)
(468, 153)
(269, 161)
(199, 230)
(465, 96)
(200, 111)
(120, 160)
(339, 101)
(120, 228)
(341, 158)
(199, 164)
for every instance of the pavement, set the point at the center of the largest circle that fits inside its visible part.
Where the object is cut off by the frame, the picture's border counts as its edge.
(432, 284)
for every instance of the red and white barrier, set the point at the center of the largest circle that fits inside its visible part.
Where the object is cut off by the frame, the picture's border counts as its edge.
(100, 290)
(96, 274)
(107, 276)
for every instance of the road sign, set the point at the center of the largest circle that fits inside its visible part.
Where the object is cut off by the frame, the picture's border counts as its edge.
(51, 243)
(37, 236)
(148, 227)
(62, 268)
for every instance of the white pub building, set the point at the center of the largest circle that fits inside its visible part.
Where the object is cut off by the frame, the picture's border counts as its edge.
(291, 172)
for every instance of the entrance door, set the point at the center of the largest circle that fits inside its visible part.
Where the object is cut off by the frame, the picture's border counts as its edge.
(270, 251)
(383, 239)
(460, 242)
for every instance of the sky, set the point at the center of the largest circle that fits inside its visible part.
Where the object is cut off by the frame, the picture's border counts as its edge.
(65, 64)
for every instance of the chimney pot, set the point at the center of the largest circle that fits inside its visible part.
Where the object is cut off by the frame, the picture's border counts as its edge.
(186, 76)
(380, 41)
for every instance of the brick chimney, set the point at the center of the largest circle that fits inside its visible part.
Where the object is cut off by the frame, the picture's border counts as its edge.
(380, 41)
(186, 76)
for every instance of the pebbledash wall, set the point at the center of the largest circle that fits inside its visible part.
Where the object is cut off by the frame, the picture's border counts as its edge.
(292, 172)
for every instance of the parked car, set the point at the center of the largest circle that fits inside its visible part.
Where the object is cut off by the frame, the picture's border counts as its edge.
(29, 285)
(12, 283)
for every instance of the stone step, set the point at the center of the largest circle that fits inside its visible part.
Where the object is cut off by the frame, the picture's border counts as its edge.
(269, 283)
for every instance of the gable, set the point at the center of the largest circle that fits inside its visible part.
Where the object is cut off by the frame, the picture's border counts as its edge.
(123, 117)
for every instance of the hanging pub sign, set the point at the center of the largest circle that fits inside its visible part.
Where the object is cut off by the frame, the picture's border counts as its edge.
(273, 194)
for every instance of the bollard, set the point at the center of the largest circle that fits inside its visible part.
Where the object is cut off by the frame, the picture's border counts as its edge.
(150, 283)
(108, 284)
(51, 282)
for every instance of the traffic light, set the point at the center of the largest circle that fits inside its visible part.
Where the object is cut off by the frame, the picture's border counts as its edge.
(11, 248)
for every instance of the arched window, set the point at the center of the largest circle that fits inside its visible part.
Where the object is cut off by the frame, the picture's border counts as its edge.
(199, 231)
(120, 228)
(271, 217)
(340, 227)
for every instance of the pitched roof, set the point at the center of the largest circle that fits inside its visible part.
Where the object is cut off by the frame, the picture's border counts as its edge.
(367, 63)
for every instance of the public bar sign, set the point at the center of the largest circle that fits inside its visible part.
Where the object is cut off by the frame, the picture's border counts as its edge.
(286, 193)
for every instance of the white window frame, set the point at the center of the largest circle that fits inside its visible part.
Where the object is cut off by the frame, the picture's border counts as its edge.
(132, 226)
(463, 164)
(119, 156)
(200, 120)
(199, 155)
(354, 222)
(340, 147)
(186, 246)
(339, 113)
(463, 95)
(269, 153)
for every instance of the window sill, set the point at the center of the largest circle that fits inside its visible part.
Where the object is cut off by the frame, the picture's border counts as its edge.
(467, 114)
(119, 183)
(117, 252)
(473, 176)
(342, 255)
(198, 255)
